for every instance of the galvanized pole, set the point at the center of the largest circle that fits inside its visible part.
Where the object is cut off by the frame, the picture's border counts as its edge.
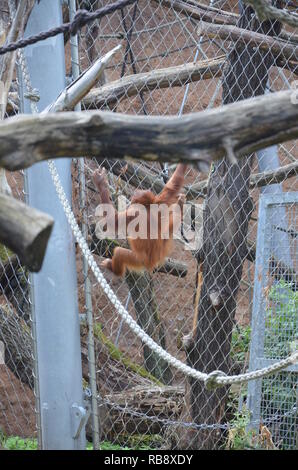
(55, 287)
(268, 159)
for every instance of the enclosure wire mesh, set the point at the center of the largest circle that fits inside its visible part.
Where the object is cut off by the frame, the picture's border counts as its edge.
(154, 35)
(18, 411)
(135, 408)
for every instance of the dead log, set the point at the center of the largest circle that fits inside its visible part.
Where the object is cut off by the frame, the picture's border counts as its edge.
(278, 47)
(198, 138)
(154, 403)
(132, 85)
(25, 231)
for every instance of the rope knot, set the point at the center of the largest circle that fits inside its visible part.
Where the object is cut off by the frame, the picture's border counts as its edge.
(210, 381)
(32, 95)
(80, 19)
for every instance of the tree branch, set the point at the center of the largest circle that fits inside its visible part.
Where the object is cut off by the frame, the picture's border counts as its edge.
(199, 11)
(278, 47)
(258, 179)
(139, 177)
(266, 11)
(197, 138)
(131, 85)
(79, 88)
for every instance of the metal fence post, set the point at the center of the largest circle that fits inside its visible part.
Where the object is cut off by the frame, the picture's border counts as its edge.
(55, 287)
(268, 159)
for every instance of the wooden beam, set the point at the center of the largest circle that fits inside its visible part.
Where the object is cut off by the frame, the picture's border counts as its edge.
(132, 85)
(197, 138)
(25, 231)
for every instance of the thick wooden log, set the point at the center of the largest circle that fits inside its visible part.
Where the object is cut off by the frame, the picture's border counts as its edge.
(197, 138)
(105, 247)
(25, 231)
(132, 85)
(162, 403)
(278, 47)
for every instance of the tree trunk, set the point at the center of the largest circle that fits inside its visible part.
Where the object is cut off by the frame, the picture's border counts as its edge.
(143, 296)
(226, 216)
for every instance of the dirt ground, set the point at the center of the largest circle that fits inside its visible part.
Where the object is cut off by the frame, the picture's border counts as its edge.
(174, 44)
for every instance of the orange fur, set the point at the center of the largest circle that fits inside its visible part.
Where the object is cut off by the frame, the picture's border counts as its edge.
(144, 253)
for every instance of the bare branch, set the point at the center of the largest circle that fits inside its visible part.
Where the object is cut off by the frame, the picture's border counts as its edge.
(131, 85)
(79, 88)
(278, 47)
(251, 125)
(139, 177)
(266, 11)
(258, 179)
(200, 11)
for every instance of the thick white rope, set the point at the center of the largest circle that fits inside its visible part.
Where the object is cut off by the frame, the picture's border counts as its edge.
(215, 378)
(212, 380)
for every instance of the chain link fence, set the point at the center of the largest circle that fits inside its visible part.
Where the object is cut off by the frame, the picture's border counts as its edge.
(171, 64)
(140, 399)
(18, 411)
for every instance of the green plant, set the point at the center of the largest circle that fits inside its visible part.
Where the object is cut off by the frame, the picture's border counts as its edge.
(240, 342)
(106, 445)
(18, 443)
(281, 321)
(240, 437)
(279, 394)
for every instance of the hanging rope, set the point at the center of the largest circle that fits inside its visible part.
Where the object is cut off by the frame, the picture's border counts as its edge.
(212, 380)
(82, 17)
